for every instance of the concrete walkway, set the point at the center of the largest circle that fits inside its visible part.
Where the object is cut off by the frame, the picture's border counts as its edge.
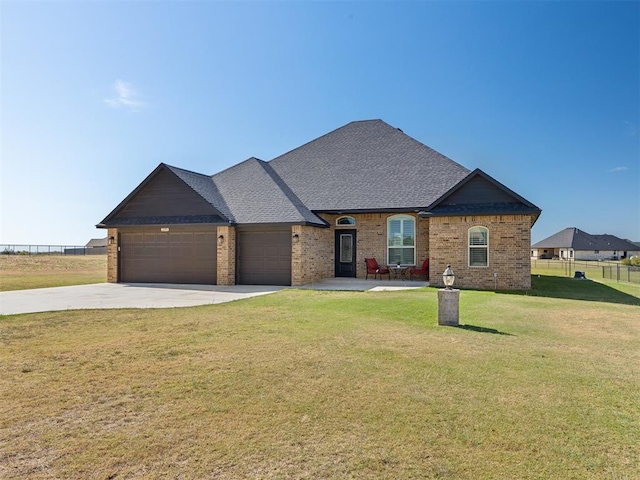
(356, 284)
(155, 295)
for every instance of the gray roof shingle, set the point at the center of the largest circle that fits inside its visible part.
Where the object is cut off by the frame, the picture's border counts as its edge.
(254, 193)
(363, 166)
(367, 165)
(579, 240)
(204, 186)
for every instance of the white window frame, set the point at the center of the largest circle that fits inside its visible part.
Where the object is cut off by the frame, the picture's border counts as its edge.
(402, 218)
(477, 246)
(351, 220)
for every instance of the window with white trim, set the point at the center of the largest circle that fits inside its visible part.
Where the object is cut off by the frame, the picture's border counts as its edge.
(478, 247)
(401, 240)
(345, 221)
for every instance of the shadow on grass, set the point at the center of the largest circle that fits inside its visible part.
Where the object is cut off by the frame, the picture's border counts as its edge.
(572, 289)
(475, 328)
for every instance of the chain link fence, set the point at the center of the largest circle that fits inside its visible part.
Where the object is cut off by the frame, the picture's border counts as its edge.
(592, 269)
(9, 249)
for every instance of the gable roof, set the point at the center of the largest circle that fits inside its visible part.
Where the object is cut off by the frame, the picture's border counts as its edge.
(193, 188)
(203, 186)
(367, 165)
(579, 240)
(364, 166)
(479, 193)
(255, 194)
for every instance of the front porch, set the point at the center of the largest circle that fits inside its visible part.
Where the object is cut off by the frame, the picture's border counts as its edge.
(359, 284)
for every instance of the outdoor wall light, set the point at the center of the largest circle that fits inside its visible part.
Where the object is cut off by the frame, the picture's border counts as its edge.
(220, 239)
(112, 240)
(296, 238)
(448, 277)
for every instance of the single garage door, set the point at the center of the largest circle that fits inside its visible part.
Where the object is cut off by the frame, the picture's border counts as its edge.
(150, 256)
(264, 257)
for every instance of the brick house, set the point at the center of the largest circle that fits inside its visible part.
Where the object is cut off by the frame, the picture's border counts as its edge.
(363, 190)
(575, 244)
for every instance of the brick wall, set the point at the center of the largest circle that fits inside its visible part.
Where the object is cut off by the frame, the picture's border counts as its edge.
(442, 239)
(226, 256)
(509, 250)
(371, 238)
(311, 255)
(112, 256)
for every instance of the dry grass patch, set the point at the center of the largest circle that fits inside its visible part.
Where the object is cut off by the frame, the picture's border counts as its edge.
(305, 384)
(20, 272)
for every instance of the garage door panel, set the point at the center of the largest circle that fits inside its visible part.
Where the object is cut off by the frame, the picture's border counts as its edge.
(264, 257)
(177, 257)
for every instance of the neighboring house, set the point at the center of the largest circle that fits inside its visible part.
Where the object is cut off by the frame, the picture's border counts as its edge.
(96, 243)
(575, 244)
(96, 246)
(363, 190)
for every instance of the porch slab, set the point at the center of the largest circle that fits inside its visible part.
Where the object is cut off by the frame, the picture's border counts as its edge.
(357, 284)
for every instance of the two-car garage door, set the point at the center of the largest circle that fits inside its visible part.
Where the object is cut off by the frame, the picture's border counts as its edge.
(174, 256)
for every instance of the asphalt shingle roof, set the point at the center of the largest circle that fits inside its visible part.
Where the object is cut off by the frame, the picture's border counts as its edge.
(204, 186)
(363, 166)
(579, 240)
(367, 165)
(254, 193)
(97, 242)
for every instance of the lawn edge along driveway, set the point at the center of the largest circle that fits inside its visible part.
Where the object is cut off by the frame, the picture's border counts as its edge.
(122, 295)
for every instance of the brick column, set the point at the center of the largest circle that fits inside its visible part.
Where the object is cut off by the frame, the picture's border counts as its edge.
(112, 256)
(226, 255)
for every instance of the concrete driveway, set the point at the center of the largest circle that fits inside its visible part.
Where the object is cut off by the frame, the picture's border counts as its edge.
(165, 295)
(122, 295)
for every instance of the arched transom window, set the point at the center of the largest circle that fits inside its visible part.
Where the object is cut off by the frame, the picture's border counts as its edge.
(344, 221)
(401, 240)
(478, 247)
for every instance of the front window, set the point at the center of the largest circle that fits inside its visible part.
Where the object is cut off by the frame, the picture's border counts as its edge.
(401, 240)
(478, 247)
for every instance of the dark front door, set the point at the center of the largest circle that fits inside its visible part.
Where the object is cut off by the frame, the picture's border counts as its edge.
(345, 253)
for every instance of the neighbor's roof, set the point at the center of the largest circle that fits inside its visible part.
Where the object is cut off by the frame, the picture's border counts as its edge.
(580, 240)
(367, 165)
(96, 242)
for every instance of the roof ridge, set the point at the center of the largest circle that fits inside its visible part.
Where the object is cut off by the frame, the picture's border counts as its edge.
(297, 203)
(234, 167)
(178, 172)
(171, 167)
(326, 135)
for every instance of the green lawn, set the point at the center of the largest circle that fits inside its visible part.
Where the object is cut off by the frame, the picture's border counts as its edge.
(307, 384)
(19, 272)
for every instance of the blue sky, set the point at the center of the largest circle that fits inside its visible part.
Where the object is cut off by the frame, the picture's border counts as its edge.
(543, 96)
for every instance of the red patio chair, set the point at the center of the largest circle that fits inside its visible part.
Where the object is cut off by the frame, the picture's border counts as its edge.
(374, 269)
(420, 271)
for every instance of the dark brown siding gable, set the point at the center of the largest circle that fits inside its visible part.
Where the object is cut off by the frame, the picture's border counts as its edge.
(478, 191)
(165, 195)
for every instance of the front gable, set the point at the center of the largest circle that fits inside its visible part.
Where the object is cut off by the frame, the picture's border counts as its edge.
(163, 197)
(480, 194)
